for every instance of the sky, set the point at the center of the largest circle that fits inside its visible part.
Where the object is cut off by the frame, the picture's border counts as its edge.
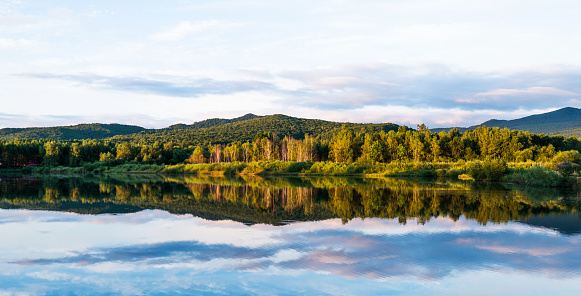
(157, 63)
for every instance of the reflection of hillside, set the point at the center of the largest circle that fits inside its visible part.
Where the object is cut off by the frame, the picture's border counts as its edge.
(568, 223)
(273, 200)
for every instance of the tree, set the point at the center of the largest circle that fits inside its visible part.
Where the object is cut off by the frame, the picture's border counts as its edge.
(106, 157)
(422, 128)
(373, 149)
(75, 155)
(342, 145)
(52, 153)
(124, 151)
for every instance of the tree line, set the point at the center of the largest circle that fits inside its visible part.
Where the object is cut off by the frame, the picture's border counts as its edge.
(345, 146)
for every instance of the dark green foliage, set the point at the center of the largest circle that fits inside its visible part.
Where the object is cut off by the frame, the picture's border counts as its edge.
(299, 167)
(489, 170)
(246, 130)
(77, 132)
(535, 176)
(213, 122)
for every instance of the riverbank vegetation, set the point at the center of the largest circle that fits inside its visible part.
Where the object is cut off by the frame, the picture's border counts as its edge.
(490, 154)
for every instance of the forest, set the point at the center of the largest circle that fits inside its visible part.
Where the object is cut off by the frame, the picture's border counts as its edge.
(369, 152)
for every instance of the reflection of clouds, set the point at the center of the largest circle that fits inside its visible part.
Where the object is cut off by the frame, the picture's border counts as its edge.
(538, 252)
(183, 248)
(162, 253)
(44, 234)
(541, 248)
(351, 254)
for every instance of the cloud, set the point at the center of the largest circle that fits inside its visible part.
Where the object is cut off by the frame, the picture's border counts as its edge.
(8, 6)
(355, 86)
(9, 43)
(551, 91)
(23, 120)
(173, 87)
(376, 92)
(13, 19)
(46, 120)
(433, 86)
(186, 28)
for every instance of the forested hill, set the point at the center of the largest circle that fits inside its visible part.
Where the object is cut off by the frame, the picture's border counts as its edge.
(213, 131)
(246, 130)
(80, 131)
(565, 122)
(213, 122)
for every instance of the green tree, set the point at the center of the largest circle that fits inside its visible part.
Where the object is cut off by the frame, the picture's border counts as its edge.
(124, 151)
(198, 156)
(52, 153)
(342, 146)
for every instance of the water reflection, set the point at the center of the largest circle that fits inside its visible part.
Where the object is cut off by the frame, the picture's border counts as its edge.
(349, 237)
(118, 253)
(279, 200)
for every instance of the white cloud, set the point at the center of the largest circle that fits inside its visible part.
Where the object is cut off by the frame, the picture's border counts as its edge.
(61, 13)
(431, 32)
(186, 28)
(537, 90)
(8, 6)
(13, 19)
(4, 42)
(327, 58)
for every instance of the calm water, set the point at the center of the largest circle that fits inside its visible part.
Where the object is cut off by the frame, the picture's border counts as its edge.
(155, 235)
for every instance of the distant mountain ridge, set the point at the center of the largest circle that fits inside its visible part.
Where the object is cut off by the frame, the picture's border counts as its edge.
(246, 128)
(214, 130)
(77, 132)
(565, 121)
(213, 122)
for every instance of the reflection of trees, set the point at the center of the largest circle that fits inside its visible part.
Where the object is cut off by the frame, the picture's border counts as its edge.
(273, 200)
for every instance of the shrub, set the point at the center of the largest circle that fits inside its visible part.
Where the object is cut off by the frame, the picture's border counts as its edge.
(489, 170)
(536, 176)
(299, 167)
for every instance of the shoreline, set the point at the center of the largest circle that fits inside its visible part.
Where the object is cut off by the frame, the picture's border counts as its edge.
(532, 174)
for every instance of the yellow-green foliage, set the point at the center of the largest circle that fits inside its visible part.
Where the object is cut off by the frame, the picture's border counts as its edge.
(571, 155)
(465, 177)
(229, 168)
(490, 170)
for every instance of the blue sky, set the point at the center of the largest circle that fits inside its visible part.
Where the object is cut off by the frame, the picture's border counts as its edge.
(155, 63)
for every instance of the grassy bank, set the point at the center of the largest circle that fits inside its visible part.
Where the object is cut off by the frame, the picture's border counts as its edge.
(490, 170)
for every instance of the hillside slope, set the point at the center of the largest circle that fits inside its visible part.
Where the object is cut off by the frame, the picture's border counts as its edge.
(78, 132)
(246, 130)
(565, 122)
(212, 122)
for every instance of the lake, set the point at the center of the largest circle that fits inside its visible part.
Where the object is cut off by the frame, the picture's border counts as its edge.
(168, 235)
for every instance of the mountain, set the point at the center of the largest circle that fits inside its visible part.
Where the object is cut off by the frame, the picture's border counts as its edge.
(215, 130)
(213, 122)
(565, 122)
(247, 127)
(78, 132)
